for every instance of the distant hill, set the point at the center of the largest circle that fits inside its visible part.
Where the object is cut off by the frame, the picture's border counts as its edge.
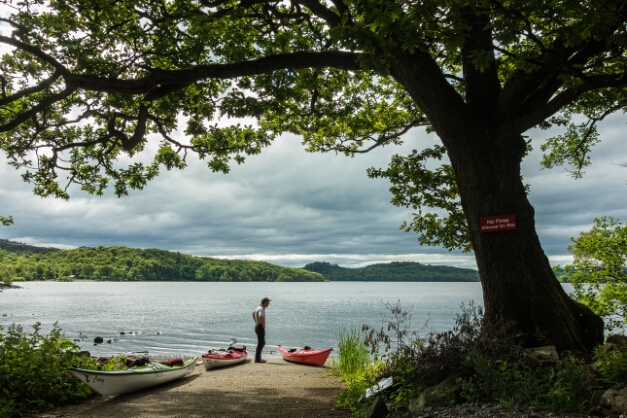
(28, 262)
(132, 264)
(16, 247)
(405, 271)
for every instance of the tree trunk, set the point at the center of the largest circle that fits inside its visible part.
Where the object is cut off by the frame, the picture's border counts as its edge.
(519, 285)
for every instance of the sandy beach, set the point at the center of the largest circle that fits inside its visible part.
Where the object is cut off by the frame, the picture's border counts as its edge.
(249, 390)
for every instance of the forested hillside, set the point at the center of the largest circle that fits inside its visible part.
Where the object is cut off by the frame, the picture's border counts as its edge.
(131, 264)
(394, 272)
(24, 262)
(12, 246)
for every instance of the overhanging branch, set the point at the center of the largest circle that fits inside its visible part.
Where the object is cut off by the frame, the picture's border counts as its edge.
(182, 78)
(48, 101)
(565, 98)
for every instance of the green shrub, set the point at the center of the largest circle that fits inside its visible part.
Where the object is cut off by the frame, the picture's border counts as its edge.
(34, 370)
(407, 375)
(402, 351)
(489, 366)
(612, 366)
(559, 387)
(503, 382)
(568, 385)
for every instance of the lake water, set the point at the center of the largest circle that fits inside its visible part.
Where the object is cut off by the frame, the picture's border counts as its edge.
(183, 318)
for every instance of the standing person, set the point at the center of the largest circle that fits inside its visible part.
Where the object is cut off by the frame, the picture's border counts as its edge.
(259, 316)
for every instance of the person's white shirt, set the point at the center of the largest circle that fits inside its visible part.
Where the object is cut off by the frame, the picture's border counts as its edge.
(259, 315)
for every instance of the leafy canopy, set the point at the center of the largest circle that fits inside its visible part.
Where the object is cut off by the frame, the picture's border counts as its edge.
(86, 84)
(599, 269)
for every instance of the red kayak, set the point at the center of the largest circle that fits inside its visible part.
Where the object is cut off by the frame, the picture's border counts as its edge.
(305, 355)
(224, 357)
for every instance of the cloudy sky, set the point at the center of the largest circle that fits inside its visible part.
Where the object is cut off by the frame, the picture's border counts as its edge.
(290, 207)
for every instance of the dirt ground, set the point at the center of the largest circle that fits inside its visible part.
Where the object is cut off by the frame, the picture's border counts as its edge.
(249, 390)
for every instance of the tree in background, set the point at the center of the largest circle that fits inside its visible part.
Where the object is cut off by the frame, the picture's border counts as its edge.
(4, 276)
(87, 82)
(599, 270)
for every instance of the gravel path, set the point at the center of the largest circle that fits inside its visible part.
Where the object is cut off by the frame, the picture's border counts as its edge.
(249, 390)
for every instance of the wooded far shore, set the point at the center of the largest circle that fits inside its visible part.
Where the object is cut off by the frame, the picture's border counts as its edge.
(22, 262)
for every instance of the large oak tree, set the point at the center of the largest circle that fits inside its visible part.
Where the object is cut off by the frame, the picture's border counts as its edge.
(85, 81)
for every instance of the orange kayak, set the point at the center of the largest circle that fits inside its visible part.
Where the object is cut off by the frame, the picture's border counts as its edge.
(306, 355)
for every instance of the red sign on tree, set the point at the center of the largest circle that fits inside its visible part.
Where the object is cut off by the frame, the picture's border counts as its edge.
(497, 223)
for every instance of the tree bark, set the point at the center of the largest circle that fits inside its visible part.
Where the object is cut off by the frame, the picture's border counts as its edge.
(519, 286)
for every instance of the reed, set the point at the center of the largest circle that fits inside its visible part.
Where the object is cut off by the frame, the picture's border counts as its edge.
(354, 357)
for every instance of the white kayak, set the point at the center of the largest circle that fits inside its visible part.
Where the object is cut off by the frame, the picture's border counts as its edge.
(224, 357)
(117, 382)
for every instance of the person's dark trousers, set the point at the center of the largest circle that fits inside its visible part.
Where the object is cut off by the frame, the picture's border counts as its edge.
(261, 340)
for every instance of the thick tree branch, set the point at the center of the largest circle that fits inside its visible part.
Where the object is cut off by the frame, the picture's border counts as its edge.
(422, 78)
(140, 130)
(481, 79)
(129, 143)
(41, 106)
(565, 98)
(524, 93)
(322, 12)
(183, 78)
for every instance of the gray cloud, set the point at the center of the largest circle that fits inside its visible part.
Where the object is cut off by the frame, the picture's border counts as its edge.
(290, 207)
(566, 206)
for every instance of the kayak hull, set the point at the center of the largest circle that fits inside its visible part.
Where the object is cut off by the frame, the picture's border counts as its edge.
(226, 358)
(303, 356)
(118, 382)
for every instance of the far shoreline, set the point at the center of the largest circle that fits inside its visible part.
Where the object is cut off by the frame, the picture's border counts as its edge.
(4, 286)
(14, 286)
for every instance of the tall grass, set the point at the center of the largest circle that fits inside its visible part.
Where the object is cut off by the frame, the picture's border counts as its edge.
(354, 356)
(354, 367)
